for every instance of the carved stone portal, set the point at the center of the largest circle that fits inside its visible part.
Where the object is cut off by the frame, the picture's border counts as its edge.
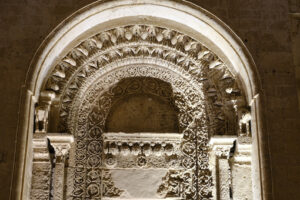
(144, 105)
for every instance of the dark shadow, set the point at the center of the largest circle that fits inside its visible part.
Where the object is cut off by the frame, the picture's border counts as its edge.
(142, 104)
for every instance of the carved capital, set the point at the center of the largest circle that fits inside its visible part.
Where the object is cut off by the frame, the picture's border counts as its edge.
(61, 143)
(221, 145)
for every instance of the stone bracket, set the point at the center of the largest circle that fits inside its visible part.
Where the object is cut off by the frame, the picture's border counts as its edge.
(42, 111)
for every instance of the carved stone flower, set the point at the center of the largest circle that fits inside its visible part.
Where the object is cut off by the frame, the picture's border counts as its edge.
(141, 160)
(188, 162)
(188, 148)
(157, 149)
(110, 160)
(93, 190)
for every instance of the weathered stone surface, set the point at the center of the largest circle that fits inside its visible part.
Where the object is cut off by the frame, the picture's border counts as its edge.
(144, 183)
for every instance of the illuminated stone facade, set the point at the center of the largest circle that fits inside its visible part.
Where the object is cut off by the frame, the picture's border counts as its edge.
(149, 99)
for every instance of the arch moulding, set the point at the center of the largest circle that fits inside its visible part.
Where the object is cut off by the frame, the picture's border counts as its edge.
(105, 15)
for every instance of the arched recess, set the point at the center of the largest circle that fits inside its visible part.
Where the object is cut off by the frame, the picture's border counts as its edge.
(183, 19)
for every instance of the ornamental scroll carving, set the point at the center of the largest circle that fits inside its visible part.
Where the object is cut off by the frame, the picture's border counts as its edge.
(109, 189)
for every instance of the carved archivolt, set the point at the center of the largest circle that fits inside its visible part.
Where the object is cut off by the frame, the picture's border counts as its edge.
(148, 42)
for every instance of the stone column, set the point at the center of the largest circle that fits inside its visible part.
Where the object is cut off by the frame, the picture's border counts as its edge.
(221, 148)
(41, 168)
(61, 144)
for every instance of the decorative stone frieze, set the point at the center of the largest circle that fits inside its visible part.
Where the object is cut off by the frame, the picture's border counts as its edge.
(150, 150)
(176, 185)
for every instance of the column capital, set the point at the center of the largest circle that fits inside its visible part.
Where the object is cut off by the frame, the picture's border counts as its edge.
(61, 142)
(221, 145)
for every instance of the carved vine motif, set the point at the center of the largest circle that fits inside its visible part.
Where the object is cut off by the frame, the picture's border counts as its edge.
(172, 185)
(176, 183)
(109, 189)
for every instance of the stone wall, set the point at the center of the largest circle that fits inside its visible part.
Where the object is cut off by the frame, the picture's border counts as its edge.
(265, 26)
(294, 8)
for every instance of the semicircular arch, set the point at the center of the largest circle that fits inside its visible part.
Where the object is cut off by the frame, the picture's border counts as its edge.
(202, 26)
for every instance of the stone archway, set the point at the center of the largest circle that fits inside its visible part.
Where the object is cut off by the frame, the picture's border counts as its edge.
(202, 62)
(205, 92)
